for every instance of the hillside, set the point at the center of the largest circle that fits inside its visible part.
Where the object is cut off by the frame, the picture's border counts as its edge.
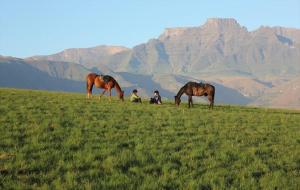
(248, 66)
(88, 57)
(54, 140)
(284, 95)
(19, 74)
(66, 76)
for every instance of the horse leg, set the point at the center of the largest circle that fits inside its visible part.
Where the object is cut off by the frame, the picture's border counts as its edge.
(110, 94)
(101, 94)
(211, 101)
(190, 101)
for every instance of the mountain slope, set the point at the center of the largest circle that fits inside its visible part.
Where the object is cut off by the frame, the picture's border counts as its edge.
(220, 46)
(54, 75)
(88, 57)
(245, 65)
(17, 73)
(286, 95)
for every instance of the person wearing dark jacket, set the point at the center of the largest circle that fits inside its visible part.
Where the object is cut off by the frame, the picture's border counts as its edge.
(156, 99)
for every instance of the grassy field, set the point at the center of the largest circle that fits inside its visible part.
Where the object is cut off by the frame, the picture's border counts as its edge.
(54, 140)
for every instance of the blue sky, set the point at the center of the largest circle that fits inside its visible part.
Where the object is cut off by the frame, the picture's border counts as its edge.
(40, 27)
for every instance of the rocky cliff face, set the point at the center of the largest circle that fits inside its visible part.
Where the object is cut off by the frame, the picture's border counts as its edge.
(220, 46)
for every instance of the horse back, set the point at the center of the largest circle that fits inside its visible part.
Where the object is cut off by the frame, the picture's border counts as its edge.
(91, 77)
(103, 81)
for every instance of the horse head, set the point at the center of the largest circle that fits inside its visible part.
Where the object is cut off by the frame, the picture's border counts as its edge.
(121, 95)
(177, 100)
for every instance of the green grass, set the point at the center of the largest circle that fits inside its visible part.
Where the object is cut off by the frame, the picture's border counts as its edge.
(54, 140)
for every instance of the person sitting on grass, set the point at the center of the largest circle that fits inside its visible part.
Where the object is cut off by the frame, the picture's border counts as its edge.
(134, 97)
(156, 98)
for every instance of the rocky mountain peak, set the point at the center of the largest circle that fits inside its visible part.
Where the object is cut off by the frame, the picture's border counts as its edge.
(221, 21)
(222, 24)
(173, 32)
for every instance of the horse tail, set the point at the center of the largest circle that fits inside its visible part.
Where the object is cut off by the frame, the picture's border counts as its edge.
(87, 86)
(87, 83)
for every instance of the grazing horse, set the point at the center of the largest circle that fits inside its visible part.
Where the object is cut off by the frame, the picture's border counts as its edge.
(102, 81)
(196, 89)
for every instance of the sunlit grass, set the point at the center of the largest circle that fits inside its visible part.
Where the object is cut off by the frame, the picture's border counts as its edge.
(63, 141)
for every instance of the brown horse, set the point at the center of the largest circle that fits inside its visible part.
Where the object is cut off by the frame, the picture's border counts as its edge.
(102, 81)
(196, 89)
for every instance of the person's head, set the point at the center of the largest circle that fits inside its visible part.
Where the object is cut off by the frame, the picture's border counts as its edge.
(177, 100)
(134, 91)
(121, 95)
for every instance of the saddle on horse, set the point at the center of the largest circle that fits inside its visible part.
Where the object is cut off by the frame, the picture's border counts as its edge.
(201, 84)
(105, 78)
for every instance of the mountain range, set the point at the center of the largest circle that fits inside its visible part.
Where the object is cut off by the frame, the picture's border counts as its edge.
(260, 67)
